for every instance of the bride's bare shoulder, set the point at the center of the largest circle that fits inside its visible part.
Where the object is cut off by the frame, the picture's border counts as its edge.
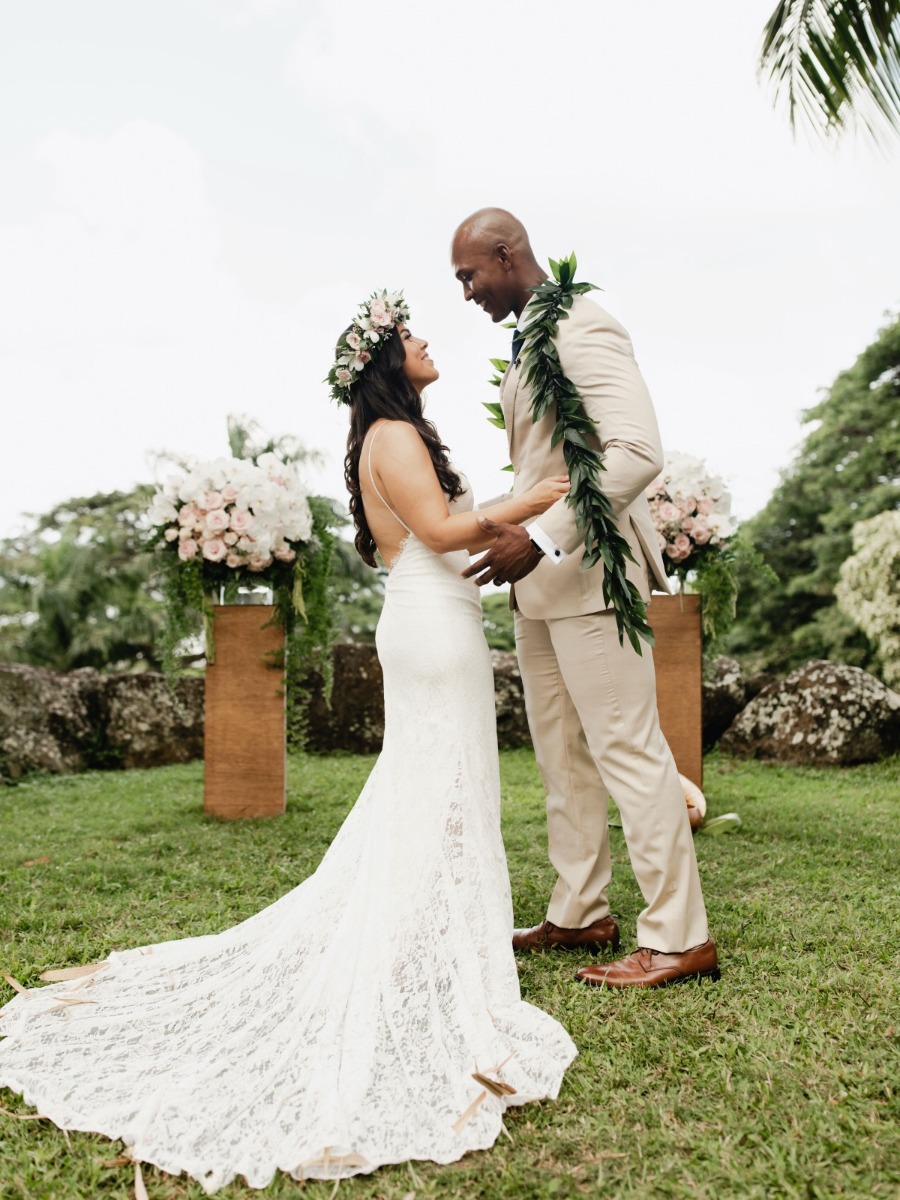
(398, 437)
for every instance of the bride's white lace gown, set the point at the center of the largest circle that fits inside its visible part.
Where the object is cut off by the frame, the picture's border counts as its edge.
(340, 1028)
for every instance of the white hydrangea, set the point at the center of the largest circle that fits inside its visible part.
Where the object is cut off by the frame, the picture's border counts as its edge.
(868, 590)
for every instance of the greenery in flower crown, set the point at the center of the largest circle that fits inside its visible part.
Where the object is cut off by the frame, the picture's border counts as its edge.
(551, 388)
(372, 326)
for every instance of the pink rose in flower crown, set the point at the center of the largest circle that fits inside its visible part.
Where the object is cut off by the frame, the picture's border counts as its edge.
(378, 313)
(212, 500)
(353, 339)
(214, 550)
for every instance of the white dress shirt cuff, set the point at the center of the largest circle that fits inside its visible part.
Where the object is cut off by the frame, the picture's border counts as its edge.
(552, 552)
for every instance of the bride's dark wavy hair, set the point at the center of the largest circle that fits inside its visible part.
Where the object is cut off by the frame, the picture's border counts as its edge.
(382, 390)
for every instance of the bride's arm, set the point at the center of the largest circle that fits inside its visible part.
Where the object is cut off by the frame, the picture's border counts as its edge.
(402, 462)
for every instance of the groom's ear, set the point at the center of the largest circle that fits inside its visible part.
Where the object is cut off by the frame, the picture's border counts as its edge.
(504, 255)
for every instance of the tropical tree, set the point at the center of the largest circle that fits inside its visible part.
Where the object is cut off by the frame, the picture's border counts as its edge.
(78, 588)
(836, 63)
(847, 470)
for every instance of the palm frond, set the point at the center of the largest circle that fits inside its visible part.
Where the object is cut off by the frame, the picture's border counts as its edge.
(836, 63)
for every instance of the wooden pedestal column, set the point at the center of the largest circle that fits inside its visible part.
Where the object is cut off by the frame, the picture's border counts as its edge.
(244, 739)
(678, 655)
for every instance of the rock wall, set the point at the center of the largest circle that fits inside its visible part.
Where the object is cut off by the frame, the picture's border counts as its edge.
(86, 720)
(83, 720)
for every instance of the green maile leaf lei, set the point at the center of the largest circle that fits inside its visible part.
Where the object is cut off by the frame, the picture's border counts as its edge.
(550, 387)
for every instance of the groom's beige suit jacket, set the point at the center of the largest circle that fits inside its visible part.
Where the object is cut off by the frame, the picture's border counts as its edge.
(596, 354)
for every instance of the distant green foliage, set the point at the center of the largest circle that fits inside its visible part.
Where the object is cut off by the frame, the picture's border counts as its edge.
(847, 470)
(499, 626)
(359, 593)
(79, 588)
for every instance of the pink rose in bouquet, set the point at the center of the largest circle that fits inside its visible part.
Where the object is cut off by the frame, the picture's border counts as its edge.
(214, 550)
(691, 511)
(217, 520)
(228, 517)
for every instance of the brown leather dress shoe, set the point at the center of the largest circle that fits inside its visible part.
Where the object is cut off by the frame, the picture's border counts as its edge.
(653, 968)
(548, 936)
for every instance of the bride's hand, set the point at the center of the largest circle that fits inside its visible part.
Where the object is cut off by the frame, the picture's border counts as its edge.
(546, 493)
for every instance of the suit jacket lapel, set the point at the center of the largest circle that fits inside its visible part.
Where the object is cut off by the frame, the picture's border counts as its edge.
(508, 387)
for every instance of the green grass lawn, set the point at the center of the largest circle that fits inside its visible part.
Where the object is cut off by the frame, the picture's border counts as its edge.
(780, 1081)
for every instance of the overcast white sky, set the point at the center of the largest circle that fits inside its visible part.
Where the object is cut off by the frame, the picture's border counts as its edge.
(196, 193)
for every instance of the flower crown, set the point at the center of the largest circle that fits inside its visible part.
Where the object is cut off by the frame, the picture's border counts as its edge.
(377, 318)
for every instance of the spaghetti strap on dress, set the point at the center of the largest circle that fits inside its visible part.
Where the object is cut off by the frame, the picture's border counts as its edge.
(399, 520)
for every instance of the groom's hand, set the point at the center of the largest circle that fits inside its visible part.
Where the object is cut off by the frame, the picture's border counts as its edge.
(512, 556)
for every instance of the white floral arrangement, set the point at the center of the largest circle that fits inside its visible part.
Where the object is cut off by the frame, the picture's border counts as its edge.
(372, 326)
(241, 514)
(691, 511)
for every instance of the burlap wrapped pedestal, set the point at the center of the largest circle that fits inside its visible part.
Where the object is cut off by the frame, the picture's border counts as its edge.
(678, 655)
(244, 743)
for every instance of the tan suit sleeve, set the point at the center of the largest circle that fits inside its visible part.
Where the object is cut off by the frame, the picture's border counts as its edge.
(595, 353)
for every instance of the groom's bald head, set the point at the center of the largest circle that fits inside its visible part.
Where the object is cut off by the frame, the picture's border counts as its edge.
(489, 227)
(493, 259)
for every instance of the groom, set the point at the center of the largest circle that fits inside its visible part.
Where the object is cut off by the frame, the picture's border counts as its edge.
(591, 702)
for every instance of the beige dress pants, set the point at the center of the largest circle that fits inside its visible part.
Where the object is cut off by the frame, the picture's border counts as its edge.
(591, 707)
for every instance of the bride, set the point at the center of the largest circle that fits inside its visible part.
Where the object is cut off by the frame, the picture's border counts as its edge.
(371, 1015)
